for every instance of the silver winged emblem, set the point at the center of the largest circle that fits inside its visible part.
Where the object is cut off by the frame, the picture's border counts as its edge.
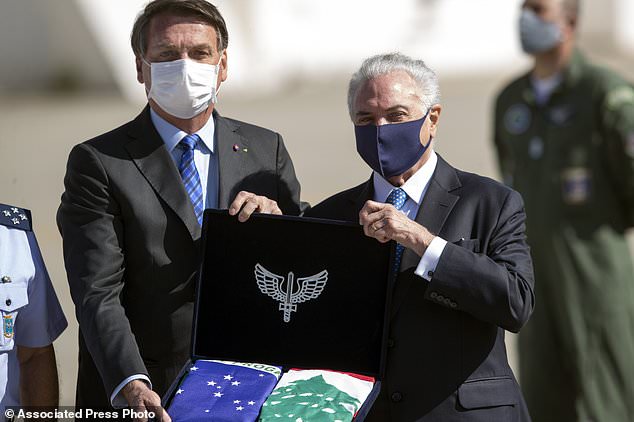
(284, 290)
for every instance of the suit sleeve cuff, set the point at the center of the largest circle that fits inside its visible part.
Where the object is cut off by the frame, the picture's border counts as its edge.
(116, 399)
(429, 261)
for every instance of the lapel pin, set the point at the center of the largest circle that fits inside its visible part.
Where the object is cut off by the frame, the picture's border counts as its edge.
(236, 147)
(245, 149)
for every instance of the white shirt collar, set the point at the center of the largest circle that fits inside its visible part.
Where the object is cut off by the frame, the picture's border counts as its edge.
(172, 135)
(543, 88)
(415, 187)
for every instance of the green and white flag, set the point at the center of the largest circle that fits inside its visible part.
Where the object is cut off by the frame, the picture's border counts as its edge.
(316, 396)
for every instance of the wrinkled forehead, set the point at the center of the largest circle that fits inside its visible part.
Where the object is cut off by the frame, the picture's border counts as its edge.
(544, 5)
(388, 90)
(166, 25)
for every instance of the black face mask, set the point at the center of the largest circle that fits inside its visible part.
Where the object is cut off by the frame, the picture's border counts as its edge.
(391, 149)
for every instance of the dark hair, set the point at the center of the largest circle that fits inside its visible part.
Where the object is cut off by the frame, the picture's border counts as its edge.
(571, 7)
(198, 8)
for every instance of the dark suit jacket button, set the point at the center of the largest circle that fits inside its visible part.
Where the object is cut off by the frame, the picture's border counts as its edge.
(454, 305)
(390, 342)
(440, 298)
(433, 295)
(447, 301)
(397, 397)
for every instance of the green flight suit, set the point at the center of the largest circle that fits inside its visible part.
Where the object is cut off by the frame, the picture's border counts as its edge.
(572, 159)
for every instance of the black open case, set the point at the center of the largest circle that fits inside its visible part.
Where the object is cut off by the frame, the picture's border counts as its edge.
(344, 328)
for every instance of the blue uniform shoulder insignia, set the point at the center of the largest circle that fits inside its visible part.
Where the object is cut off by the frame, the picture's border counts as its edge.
(14, 217)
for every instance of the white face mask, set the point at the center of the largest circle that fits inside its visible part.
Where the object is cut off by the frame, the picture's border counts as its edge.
(184, 88)
(537, 35)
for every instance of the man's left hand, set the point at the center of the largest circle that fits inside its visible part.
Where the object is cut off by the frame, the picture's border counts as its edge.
(383, 222)
(246, 203)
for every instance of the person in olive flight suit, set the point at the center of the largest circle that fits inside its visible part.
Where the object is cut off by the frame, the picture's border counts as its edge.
(564, 134)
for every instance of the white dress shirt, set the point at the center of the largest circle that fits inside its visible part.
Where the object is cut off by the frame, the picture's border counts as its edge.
(206, 162)
(415, 187)
(543, 88)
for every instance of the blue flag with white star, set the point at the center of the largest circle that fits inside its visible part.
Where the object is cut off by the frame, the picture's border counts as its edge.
(223, 391)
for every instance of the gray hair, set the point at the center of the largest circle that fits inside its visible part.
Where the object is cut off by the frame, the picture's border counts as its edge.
(382, 64)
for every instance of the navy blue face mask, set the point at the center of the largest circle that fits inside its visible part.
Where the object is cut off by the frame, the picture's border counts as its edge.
(391, 149)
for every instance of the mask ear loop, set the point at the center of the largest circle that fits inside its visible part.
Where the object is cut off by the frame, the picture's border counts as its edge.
(148, 64)
(218, 74)
(431, 138)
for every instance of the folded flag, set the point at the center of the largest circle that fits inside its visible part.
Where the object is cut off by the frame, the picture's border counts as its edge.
(223, 391)
(316, 396)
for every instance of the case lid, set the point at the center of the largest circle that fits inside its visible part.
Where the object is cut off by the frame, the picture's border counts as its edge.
(292, 291)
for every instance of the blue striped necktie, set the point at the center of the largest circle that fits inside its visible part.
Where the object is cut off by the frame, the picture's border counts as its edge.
(397, 198)
(189, 174)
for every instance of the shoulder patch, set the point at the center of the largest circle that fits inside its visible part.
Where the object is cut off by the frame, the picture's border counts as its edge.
(517, 119)
(629, 144)
(619, 96)
(14, 217)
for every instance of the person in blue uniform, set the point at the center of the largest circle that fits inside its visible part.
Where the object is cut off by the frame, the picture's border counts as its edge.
(32, 317)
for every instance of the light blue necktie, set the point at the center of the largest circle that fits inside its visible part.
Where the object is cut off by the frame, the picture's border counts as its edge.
(189, 174)
(397, 197)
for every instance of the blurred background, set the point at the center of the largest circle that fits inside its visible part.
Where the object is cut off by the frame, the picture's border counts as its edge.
(67, 74)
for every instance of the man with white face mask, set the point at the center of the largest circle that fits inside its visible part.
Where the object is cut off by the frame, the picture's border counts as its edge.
(132, 210)
(564, 133)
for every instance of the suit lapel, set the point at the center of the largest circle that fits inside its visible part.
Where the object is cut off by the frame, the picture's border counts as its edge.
(231, 166)
(148, 151)
(432, 214)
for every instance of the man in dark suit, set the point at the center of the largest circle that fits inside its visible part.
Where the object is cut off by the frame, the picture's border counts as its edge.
(131, 213)
(464, 273)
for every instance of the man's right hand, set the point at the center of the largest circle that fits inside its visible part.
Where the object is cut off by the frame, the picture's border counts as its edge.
(384, 223)
(141, 399)
(246, 203)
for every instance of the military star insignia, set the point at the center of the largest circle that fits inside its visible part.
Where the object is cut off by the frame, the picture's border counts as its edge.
(179, 391)
(6, 213)
(15, 210)
(193, 368)
(236, 402)
(15, 221)
(251, 403)
(211, 383)
(217, 394)
(235, 383)
(22, 217)
(239, 408)
(228, 377)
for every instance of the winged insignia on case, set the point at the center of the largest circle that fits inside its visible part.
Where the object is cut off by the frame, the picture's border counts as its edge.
(288, 291)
